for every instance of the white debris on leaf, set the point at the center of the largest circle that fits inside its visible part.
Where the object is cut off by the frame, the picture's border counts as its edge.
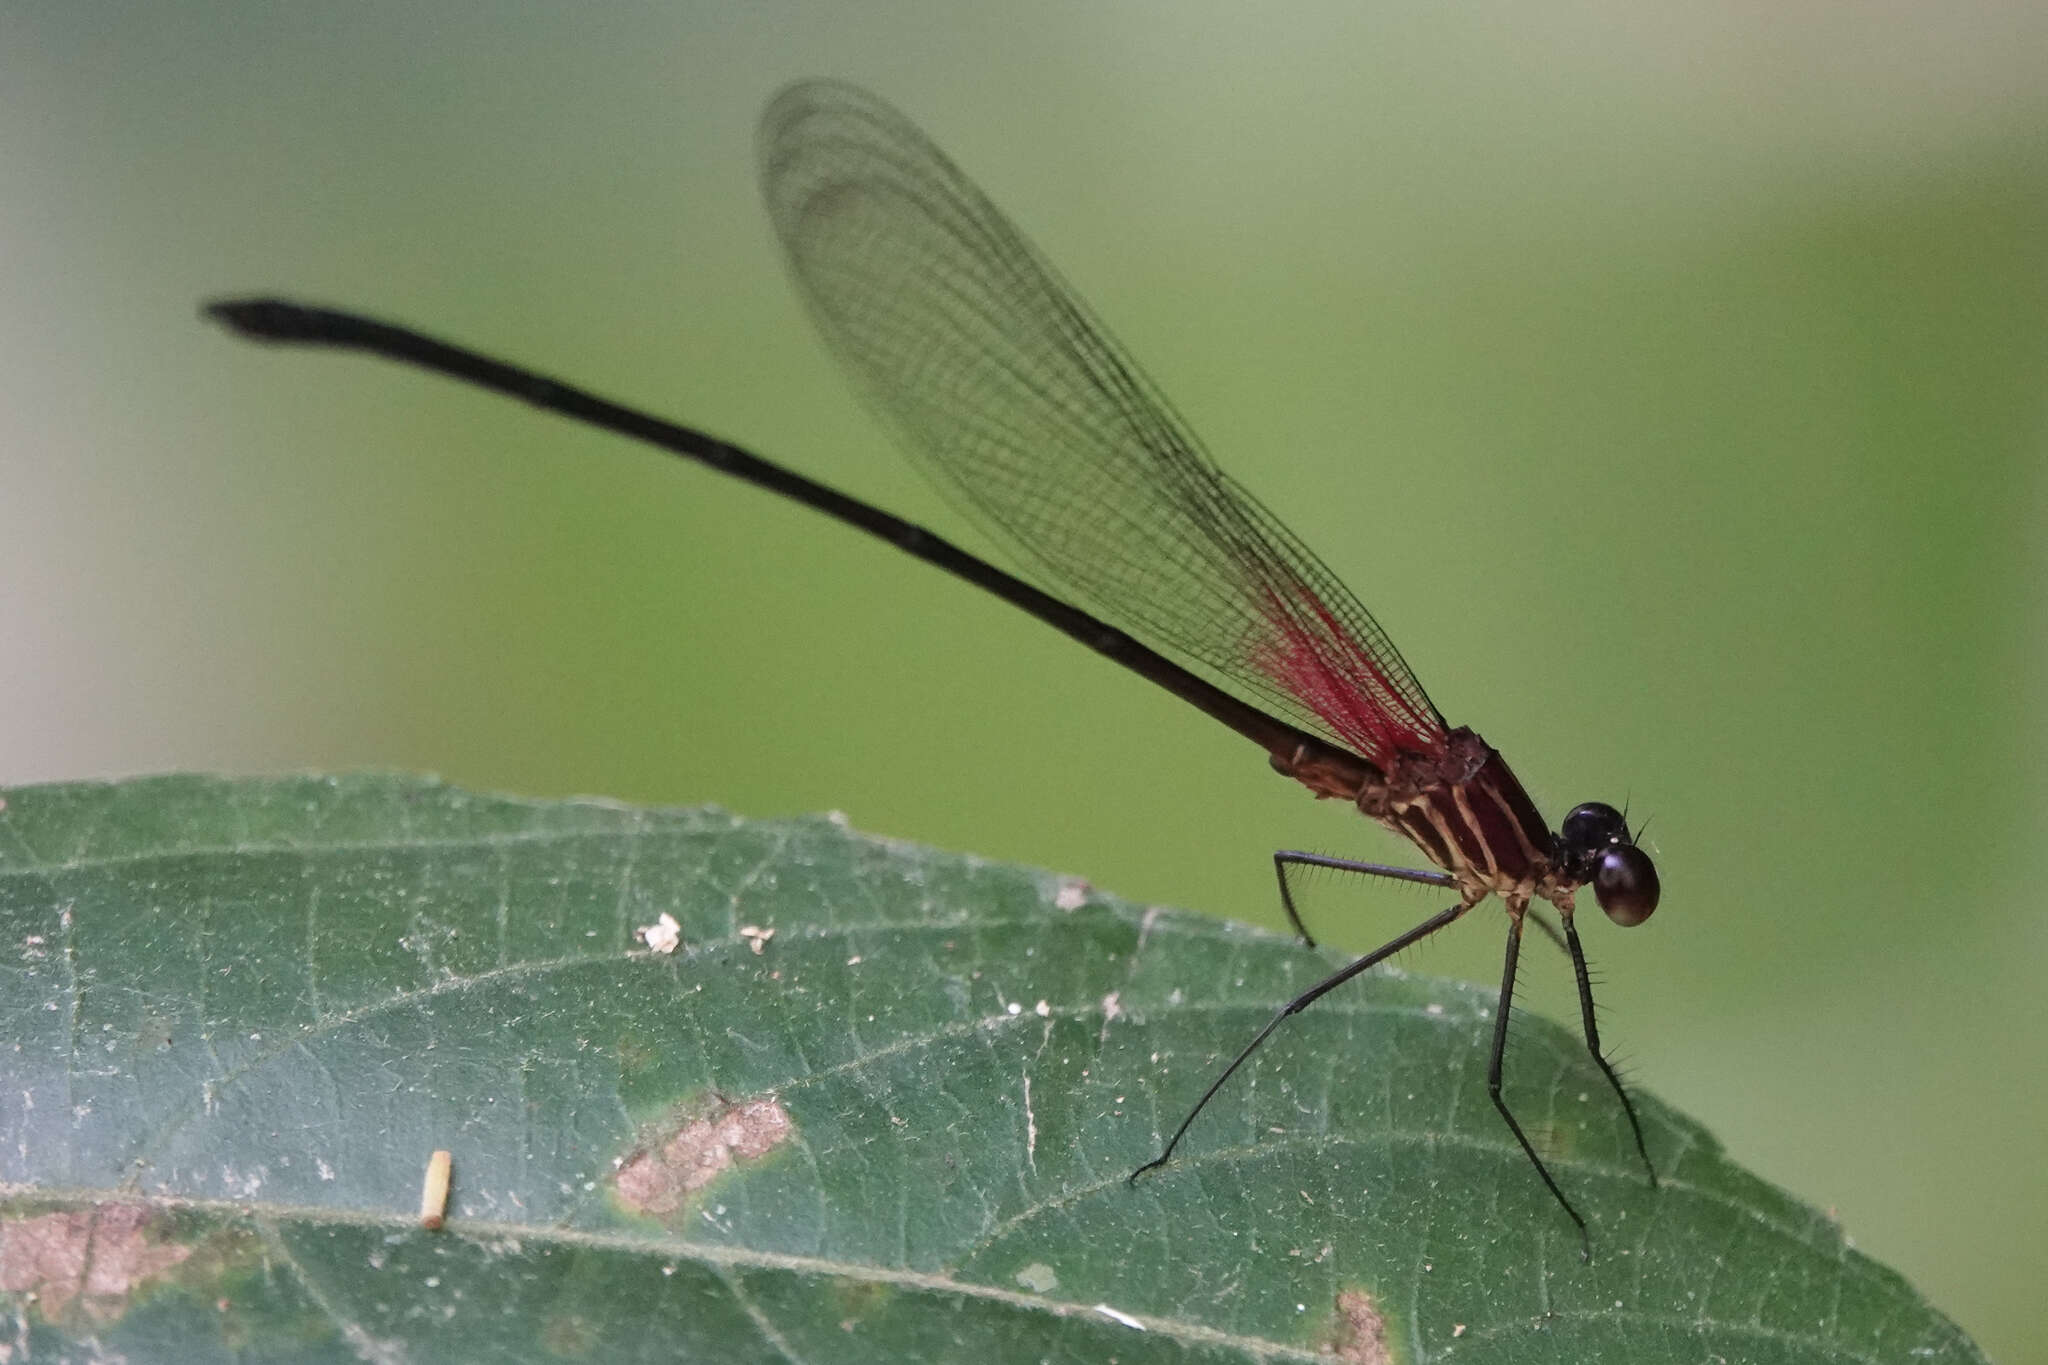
(663, 936)
(1114, 1316)
(1072, 895)
(756, 937)
(1110, 1010)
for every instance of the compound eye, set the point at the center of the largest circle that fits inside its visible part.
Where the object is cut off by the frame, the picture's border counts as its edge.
(1625, 884)
(1593, 824)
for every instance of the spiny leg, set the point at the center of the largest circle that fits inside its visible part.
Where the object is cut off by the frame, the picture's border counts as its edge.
(1592, 1031)
(1493, 1069)
(1296, 1006)
(1287, 857)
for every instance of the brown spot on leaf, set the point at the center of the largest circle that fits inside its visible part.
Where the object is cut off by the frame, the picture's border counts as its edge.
(570, 1336)
(635, 1054)
(857, 1300)
(657, 1178)
(1361, 1337)
(88, 1259)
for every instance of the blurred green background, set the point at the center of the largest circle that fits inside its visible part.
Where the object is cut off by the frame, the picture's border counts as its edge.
(1671, 385)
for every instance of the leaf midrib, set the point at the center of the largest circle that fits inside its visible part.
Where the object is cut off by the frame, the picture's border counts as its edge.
(268, 1215)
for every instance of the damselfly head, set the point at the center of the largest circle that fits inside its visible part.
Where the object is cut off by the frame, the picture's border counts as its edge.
(1595, 846)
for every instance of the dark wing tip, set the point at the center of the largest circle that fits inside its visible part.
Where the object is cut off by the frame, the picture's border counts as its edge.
(820, 134)
(817, 96)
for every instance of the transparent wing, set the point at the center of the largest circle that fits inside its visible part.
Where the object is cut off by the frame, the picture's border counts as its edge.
(1033, 420)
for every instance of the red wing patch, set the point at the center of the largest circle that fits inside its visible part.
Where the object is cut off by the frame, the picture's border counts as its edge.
(1343, 680)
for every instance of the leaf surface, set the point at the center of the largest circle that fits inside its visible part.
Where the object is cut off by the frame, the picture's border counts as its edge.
(878, 1104)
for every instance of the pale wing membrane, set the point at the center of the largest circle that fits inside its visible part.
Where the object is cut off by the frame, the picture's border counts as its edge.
(1037, 424)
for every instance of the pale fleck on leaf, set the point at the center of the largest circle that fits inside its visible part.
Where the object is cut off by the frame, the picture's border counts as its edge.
(662, 936)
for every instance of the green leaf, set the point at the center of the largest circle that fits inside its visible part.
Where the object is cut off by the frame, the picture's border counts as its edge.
(878, 1106)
